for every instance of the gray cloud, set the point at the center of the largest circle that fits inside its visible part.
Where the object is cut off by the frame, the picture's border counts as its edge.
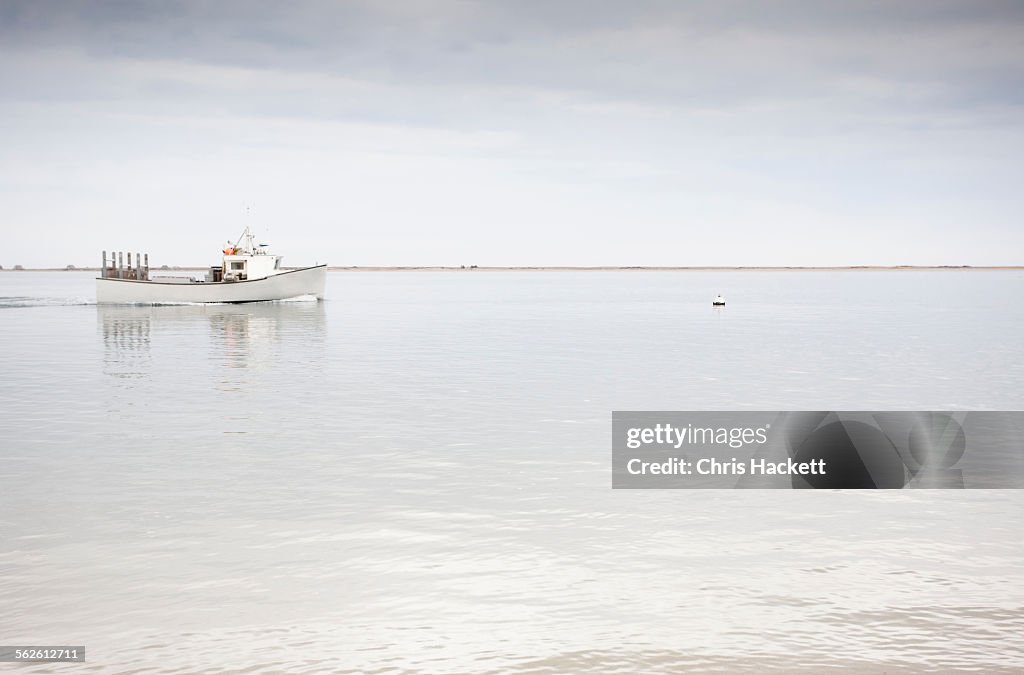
(662, 51)
(813, 116)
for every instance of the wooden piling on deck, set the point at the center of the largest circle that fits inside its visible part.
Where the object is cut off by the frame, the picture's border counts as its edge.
(115, 268)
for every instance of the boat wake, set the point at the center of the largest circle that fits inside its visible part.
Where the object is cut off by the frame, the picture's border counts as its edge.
(16, 301)
(301, 298)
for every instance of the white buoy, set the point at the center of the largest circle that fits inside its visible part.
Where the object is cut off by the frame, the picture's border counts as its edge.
(718, 301)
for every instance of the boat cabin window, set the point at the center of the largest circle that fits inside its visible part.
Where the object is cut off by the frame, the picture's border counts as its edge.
(238, 265)
(277, 263)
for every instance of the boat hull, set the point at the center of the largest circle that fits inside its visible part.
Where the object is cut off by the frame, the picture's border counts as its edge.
(283, 286)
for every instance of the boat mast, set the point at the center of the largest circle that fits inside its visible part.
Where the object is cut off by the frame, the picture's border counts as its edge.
(247, 237)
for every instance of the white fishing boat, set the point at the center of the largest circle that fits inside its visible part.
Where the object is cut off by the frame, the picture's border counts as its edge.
(248, 273)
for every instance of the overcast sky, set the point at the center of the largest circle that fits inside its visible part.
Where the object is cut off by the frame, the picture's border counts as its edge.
(514, 133)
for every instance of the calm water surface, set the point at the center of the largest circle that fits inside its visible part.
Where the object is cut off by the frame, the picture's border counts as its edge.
(414, 475)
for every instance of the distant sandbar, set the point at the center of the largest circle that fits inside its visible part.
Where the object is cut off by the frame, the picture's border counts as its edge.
(641, 268)
(573, 268)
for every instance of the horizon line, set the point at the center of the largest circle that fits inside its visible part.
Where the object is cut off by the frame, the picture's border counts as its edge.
(541, 268)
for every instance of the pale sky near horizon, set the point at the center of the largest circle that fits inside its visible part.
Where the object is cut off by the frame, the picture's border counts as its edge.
(514, 133)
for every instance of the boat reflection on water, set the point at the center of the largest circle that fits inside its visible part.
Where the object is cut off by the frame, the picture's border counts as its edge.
(126, 341)
(145, 342)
